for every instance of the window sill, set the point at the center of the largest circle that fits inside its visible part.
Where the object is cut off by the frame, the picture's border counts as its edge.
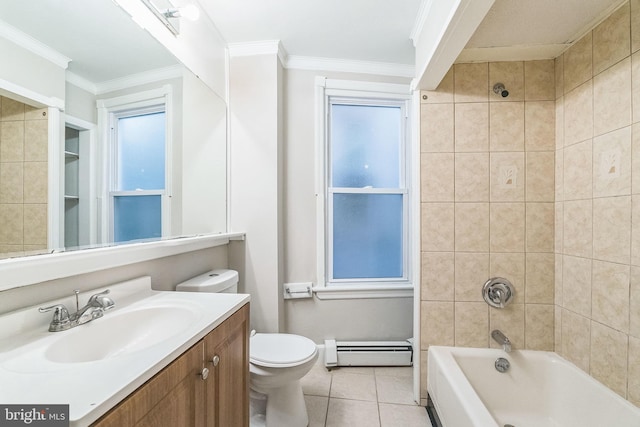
(363, 291)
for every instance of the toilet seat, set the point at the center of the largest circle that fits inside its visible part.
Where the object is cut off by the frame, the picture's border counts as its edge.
(280, 350)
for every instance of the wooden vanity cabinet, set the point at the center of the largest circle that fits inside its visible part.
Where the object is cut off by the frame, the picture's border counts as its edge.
(180, 395)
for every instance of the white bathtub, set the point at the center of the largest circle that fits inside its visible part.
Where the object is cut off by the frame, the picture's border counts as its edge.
(540, 389)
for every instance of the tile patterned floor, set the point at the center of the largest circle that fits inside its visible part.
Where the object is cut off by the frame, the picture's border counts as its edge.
(362, 397)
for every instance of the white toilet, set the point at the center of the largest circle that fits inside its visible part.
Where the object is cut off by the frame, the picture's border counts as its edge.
(277, 361)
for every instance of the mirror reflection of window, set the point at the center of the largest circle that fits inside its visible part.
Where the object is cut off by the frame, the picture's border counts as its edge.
(139, 180)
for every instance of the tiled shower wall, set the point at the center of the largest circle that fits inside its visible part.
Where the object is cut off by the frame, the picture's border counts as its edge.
(597, 226)
(23, 177)
(488, 205)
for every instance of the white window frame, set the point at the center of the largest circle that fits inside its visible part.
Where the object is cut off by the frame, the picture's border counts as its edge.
(110, 110)
(362, 93)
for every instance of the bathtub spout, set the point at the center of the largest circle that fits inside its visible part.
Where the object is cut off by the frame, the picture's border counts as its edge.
(501, 339)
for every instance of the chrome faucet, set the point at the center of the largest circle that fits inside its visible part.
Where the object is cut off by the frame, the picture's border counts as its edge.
(94, 309)
(501, 339)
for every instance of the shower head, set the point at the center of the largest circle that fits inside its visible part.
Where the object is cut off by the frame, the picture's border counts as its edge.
(499, 89)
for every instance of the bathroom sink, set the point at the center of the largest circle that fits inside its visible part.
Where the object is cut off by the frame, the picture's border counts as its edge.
(117, 334)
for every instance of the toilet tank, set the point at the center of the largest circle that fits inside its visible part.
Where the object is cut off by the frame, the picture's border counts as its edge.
(214, 281)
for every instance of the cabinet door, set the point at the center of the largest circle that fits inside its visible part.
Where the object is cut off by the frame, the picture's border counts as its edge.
(174, 397)
(227, 356)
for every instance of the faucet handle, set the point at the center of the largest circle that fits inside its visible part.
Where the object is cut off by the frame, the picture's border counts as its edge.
(60, 316)
(101, 300)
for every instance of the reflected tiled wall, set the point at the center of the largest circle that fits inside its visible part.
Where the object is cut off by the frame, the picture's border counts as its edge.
(23, 177)
(488, 205)
(598, 202)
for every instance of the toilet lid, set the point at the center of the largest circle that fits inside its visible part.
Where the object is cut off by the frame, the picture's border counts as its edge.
(272, 350)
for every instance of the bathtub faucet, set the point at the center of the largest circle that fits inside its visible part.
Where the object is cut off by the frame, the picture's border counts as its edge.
(501, 339)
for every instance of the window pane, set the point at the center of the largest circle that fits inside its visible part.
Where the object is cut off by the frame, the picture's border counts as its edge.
(141, 152)
(365, 146)
(367, 236)
(137, 217)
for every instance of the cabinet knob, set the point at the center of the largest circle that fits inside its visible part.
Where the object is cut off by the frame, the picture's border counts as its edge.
(215, 360)
(204, 373)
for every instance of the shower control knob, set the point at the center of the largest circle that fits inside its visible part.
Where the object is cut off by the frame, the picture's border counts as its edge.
(215, 360)
(204, 374)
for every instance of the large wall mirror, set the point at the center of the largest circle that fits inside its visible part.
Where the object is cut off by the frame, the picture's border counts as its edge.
(105, 138)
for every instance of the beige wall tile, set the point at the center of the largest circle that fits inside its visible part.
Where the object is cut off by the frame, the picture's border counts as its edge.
(443, 93)
(557, 339)
(612, 163)
(506, 126)
(558, 231)
(609, 349)
(635, 86)
(11, 182)
(610, 297)
(35, 224)
(576, 285)
(472, 270)
(540, 170)
(576, 339)
(507, 227)
(437, 276)
(11, 110)
(558, 280)
(472, 227)
(424, 369)
(472, 177)
(507, 183)
(437, 177)
(578, 114)
(633, 392)
(635, 230)
(12, 220)
(612, 39)
(540, 275)
(511, 266)
(577, 173)
(36, 140)
(560, 123)
(559, 176)
(11, 141)
(511, 74)
(539, 125)
(539, 327)
(472, 127)
(559, 65)
(470, 82)
(437, 227)
(472, 324)
(539, 80)
(635, 25)
(578, 63)
(35, 182)
(634, 302)
(510, 320)
(635, 158)
(437, 324)
(612, 229)
(436, 128)
(612, 98)
(33, 113)
(578, 228)
(540, 218)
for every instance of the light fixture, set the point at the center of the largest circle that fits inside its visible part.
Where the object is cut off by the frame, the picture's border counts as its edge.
(170, 15)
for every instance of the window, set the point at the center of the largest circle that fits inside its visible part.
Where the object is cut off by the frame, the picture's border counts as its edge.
(138, 166)
(366, 194)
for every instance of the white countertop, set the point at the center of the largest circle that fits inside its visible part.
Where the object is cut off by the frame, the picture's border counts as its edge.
(92, 388)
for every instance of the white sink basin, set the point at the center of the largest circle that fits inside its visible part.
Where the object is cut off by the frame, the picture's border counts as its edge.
(118, 334)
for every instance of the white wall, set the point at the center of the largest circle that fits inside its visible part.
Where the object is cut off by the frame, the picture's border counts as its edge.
(80, 104)
(255, 177)
(356, 319)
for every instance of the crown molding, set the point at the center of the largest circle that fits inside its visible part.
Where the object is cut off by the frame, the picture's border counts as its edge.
(159, 74)
(421, 18)
(80, 82)
(266, 47)
(349, 66)
(32, 45)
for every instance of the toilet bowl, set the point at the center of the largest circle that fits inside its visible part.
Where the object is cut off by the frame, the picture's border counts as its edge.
(277, 361)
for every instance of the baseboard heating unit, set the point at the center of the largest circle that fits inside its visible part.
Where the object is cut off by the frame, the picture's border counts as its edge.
(368, 353)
